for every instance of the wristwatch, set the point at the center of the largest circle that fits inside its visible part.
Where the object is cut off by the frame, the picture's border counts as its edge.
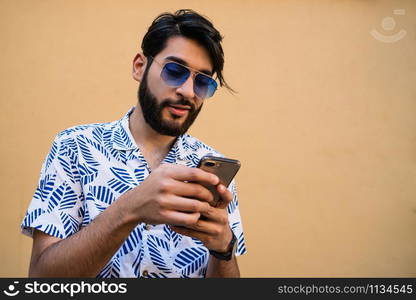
(229, 254)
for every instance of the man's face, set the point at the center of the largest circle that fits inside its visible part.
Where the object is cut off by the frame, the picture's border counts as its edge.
(169, 110)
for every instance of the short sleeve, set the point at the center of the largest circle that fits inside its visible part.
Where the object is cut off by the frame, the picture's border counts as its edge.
(56, 206)
(235, 220)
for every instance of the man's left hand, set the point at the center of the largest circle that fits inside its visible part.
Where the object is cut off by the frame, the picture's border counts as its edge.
(213, 229)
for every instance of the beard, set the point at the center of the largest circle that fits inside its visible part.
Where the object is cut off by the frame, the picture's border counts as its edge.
(152, 112)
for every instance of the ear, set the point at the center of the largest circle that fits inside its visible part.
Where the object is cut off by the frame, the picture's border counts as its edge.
(139, 65)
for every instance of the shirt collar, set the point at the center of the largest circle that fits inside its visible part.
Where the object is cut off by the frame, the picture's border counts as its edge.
(182, 148)
(122, 139)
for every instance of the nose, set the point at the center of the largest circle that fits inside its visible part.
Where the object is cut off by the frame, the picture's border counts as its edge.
(187, 88)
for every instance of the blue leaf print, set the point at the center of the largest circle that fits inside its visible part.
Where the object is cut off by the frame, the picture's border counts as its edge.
(86, 216)
(131, 242)
(190, 260)
(241, 247)
(118, 186)
(241, 243)
(139, 173)
(123, 176)
(156, 275)
(101, 206)
(194, 160)
(111, 270)
(190, 164)
(56, 197)
(131, 155)
(51, 155)
(88, 174)
(97, 134)
(232, 206)
(70, 152)
(38, 194)
(119, 155)
(122, 157)
(54, 231)
(99, 147)
(45, 187)
(107, 138)
(75, 129)
(234, 226)
(70, 170)
(172, 236)
(122, 139)
(102, 194)
(137, 261)
(170, 158)
(81, 212)
(86, 152)
(32, 216)
(69, 199)
(234, 203)
(159, 250)
(71, 225)
(140, 156)
(198, 242)
(194, 146)
(70, 149)
(167, 232)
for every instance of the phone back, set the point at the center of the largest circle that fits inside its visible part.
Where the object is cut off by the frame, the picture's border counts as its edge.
(224, 168)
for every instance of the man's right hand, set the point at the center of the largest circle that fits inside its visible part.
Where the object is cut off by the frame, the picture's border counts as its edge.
(171, 194)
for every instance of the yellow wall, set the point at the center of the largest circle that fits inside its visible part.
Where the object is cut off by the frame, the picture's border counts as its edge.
(324, 122)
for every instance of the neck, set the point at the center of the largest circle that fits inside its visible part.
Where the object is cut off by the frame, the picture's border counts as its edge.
(148, 140)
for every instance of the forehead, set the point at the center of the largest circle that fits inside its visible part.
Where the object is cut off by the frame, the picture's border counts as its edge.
(189, 51)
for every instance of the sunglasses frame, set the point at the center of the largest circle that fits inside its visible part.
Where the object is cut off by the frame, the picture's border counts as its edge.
(192, 72)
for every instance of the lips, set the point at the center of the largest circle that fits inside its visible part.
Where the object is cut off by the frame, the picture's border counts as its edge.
(178, 110)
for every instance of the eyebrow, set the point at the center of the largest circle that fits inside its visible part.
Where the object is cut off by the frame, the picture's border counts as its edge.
(182, 62)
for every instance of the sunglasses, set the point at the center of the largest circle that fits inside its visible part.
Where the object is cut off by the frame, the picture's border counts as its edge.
(175, 74)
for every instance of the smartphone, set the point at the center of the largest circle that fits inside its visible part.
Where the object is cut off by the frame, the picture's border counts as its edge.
(224, 168)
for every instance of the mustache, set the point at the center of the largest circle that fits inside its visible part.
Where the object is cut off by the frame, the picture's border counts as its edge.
(181, 101)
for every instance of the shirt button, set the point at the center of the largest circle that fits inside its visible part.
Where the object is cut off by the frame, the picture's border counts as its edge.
(147, 227)
(145, 273)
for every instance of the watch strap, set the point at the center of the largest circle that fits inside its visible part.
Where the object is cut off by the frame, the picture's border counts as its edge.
(229, 254)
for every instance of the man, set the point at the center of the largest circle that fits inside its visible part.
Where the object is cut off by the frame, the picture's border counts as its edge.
(124, 199)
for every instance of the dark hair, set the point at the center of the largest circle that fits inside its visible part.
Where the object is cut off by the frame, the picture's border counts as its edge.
(189, 24)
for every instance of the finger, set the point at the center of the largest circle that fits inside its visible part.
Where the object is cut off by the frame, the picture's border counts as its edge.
(180, 218)
(183, 204)
(206, 226)
(184, 173)
(188, 232)
(192, 190)
(216, 215)
(225, 196)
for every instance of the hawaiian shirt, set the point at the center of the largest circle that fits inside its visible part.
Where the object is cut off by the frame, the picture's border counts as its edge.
(88, 168)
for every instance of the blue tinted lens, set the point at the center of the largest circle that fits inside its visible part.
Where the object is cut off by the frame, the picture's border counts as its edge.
(174, 74)
(204, 86)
